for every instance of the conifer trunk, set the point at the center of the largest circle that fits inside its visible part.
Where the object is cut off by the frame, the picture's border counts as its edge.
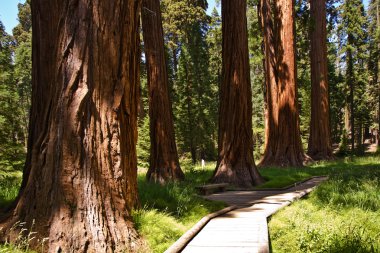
(235, 142)
(350, 85)
(164, 163)
(319, 140)
(271, 95)
(283, 145)
(80, 175)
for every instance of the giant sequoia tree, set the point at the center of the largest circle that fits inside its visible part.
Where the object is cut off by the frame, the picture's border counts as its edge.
(283, 142)
(164, 164)
(319, 140)
(235, 142)
(79, 180)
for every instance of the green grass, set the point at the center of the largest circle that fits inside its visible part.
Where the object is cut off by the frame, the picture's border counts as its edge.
(169, 211)
(10, 182)
(341, 215)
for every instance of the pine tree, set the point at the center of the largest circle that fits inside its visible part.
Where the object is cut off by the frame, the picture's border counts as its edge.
(353, 44)
(374, 57)
(194, 93)
(12, 153)
(22, 34)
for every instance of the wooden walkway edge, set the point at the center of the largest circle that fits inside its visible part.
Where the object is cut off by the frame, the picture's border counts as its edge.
(241, 227)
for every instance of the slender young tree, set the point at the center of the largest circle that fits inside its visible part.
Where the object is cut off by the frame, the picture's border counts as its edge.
(79, 182)
(164, 163)
(283, 141)
(319, 140)
(235, 143)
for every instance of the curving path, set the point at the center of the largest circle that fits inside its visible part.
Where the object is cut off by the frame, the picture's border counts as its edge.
(242, 227)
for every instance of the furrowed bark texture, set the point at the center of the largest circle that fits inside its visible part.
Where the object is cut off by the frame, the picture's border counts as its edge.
(236, 162)
(320, 146)
(283, 145)
(80, 181)
(164, 163)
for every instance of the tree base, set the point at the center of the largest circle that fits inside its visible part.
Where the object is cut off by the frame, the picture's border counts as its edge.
(66, 234)
(240, 175)
(286, 160)
(321, 155)
(164, 175)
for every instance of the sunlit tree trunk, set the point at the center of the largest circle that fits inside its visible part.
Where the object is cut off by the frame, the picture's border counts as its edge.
(80, 175)
(283, 145)
(319, 140)
(236, 162)
(164, 164)
(350, 85)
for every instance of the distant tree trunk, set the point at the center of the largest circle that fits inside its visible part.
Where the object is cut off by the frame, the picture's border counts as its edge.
(319, 140)
(271, 95)
(283, 146)
(350, 84)
(80, 175)
(347, 117)
(235, 142)
(164, 163)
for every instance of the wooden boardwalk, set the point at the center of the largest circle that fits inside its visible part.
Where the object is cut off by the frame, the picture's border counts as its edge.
(244, 228)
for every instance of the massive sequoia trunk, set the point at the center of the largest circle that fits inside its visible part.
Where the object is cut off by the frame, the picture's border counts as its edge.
(236, 162)
(80, 181)
(283, 145)
(319, 141)
(164, 164)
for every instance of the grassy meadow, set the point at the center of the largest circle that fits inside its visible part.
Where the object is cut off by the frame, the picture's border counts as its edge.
(342, 215)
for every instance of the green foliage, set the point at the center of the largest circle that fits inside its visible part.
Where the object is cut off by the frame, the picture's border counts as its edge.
(353, 39)
(143, 143)
(15, 90)
(11, 134)
(374, 60)
(303, 25)
(256, 57)
(10, 182)
(194, 88)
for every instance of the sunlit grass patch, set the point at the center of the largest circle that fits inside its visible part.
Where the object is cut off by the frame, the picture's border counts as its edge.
(341, 215)
(170, 210)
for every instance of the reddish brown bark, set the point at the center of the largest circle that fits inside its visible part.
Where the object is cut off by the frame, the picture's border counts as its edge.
(235, 143)
(283, 145)
(319, 141)
(164, 163)
(80, 181)
(271, 95)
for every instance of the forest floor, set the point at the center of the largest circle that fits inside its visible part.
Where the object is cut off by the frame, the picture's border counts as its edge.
(340, 216)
